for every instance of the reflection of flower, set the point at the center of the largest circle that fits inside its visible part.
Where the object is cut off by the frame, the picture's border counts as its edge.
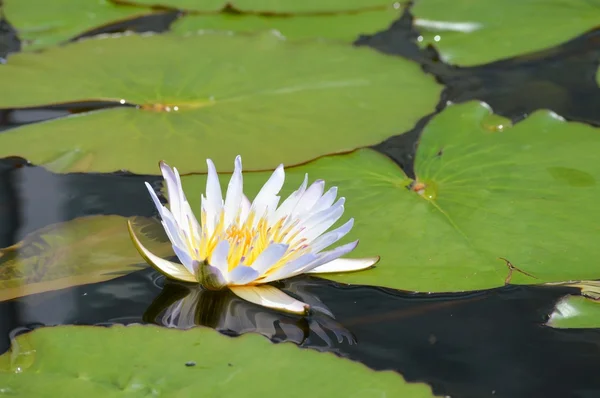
(181, 307)
(243, 245)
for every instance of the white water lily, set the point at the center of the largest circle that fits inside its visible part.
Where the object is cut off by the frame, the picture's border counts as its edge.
(242, 245)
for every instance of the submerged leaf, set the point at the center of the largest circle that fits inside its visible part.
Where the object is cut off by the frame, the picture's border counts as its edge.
(196, 362)
(575, 312)
(85, 250)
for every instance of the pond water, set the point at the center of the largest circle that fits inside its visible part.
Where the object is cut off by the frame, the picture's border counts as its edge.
(483, 343)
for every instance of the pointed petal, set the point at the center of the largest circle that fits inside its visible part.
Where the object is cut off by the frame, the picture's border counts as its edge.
(328, 239)
(233, 199)
(310, 197)
(242, 275)
(322, 221)
(245, 209)
(326, 200)
(290, 268)
(186, 259)
(269, 257)
(218, 258)
(159, 206)
(345, 265)
(173, 190)
(173, 270)
(214, 198)
(271, 297)
(326, 257)
(291, 201)
(266, 194)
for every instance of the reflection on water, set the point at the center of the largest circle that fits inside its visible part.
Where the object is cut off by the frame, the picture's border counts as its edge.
(181, 307)
(477, 344)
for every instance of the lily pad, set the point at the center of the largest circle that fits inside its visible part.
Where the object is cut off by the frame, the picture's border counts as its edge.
(85, 250)
(470, 32)
(197, 362)
(345, 27)
(210, 96)
(575, 312)
(43, 23)
(526, 193)
(269, 6)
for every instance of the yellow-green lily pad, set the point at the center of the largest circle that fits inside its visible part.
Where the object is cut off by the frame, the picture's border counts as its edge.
(268, 6)
(484, 191)
(470, 32)
(347, 27)
(122, 361)
(43, 23)
(210, 96)
(84, 250)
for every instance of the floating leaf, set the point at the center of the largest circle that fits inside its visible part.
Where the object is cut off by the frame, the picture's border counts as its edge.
(43, 23)
(575, 312)
(197, 362)
(258, 96)
(85, 250)
(470, 32)
(268, 6)
(346, 27)
(526, 193)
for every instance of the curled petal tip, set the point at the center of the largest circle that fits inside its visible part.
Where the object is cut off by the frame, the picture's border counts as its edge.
(169, 269)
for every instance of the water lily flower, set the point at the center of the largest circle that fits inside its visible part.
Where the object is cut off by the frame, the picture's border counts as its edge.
(243, 246)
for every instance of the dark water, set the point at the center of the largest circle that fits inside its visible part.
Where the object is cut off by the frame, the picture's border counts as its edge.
(479, 344)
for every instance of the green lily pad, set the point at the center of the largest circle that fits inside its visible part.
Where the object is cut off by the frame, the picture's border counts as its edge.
(526, 193)
(43, 23)
(210, 96)
(49, 359)
(345, 27)
(269, 6)
(575, 312)
(477, 32)
(85, 250)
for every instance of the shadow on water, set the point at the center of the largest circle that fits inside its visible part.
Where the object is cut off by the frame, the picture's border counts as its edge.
(479, 344)
(32, 197)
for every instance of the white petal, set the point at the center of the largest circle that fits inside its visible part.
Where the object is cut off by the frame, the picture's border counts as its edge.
(328, 239)
(269, 257)
(326, 257)
(218, 258)
(242, 275)
(310, 197)
(245, 209)
(321, 221)
(345, 265)
(155, 199)
(173, 270)
(214, 198)
(290, 268)
(233, 199)
(264, 198)
(326, 200)
(291, 201)
(173, 190)
(271, 297)
(168, 221)
(186, 259)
